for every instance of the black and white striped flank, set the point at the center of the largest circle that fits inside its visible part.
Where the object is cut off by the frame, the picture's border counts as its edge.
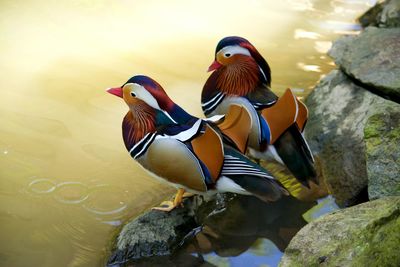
(211, 104)
(236, 166)
(141, 147)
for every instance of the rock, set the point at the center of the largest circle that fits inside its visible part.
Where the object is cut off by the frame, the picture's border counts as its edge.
(371, 16)
(364, 235)
(155, 233)
(226, 225)
(385, 14)
(382, 140)
(372, 59)
(339, 110)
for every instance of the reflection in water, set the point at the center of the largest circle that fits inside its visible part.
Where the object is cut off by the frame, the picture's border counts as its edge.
(232, 231)
(322, 46)
(241, 231)
(305, 67)
(302, 34)
(66, 180)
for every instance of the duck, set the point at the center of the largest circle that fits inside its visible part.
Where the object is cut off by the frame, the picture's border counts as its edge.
(184, 151)
(241, 76)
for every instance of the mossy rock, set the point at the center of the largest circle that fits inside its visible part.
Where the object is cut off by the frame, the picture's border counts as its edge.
(339, 110)
(364, 235)
(382, 141)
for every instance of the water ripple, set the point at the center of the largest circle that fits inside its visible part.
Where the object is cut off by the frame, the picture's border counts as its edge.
(42, 186)
(71, 192)
(106, 200)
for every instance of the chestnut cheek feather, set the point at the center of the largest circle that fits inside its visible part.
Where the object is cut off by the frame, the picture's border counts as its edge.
(240, 77)
(139, 121)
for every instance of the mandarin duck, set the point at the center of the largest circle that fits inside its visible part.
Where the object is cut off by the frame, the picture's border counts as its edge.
(192, 156)
(241, 76)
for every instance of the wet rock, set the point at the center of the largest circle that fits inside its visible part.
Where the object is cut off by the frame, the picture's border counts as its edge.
(372, 59)
(226, 225)
(382, 140)
(364, 235)
(155, 233)
(339, 110)
(385, 14)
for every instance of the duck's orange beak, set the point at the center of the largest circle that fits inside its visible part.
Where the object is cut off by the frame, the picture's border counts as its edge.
(215, 65)
(115, 91)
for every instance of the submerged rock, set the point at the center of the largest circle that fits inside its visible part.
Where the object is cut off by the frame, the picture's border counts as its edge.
(339, 110)
(364, 235)
(385, 14)
(382, 140)
(373, 59)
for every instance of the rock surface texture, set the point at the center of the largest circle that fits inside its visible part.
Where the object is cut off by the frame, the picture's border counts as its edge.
(382, 140)
(364, 235)
(372, 59)
(339, 110)
(354, 130)
(385, 14)
(155, 233)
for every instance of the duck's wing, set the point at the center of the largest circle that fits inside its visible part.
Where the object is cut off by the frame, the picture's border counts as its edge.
(262, 97)
(286, 120)
(251, 177)
(236, 127)
(191, 157)
(238, 164)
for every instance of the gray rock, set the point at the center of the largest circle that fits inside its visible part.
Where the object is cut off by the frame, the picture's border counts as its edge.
(364, 235)
(382, 140)
(372, 59)
(339, 110)
(155, 233)
(371, 16)
(385, 14)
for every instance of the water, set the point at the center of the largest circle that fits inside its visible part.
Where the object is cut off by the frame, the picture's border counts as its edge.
(262, 241)
(66, 181)
(239, 231)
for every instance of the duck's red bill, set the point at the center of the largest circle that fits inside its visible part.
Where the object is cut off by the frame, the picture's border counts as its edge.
(115, 91)
(215, 65)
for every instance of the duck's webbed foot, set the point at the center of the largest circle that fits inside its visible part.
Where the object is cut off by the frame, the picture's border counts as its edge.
(170, 205)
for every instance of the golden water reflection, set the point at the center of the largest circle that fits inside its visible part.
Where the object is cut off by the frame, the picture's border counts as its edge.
(66, 180)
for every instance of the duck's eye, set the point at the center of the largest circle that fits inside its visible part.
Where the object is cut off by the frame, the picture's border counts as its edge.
(133, 94)
(227, 55)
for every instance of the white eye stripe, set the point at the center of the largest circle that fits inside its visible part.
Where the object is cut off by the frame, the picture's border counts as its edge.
(140, 92)
(144, 95)
(234, 50)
